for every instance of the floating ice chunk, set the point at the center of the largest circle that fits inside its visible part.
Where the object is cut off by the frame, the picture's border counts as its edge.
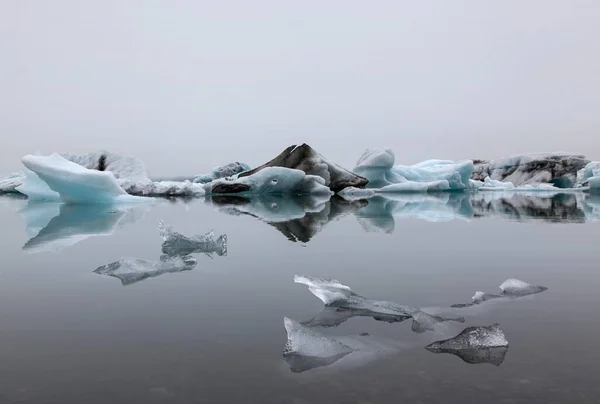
(9, 183)
(560, 169)
(271, 180)
(334, 293)
(517, 287)
(54, 227)
(304, 341)
(225, 171)
(306, 159)
(306, 349)
(352, 194)
(170, 188)
(177, 244)
(132, 270)
(423, 321)
(433, 175)
(473, 338)
(75, 183)
(590, 175)
(36, 189)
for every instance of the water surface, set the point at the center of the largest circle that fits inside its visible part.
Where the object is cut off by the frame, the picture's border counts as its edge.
(215, 333)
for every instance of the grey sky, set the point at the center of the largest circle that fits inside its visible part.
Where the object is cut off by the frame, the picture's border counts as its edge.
(186, 85)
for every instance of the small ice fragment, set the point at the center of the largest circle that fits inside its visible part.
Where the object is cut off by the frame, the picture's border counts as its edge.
(473, 338)
(177, 244)
(132, 270)
(517, 287)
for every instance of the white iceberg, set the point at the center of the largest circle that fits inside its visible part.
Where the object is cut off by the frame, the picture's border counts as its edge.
(132, 270)
(75, 183)
(10, 183)
(377, 165)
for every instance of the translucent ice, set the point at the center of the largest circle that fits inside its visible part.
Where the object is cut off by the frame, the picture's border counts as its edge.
(334, 293)
(36, 189)
(590, 175)
(177, 244)
(132, 270)
(9, 183)
(423, 321)
(306, 349)
(473, 338)
(377, 165)
(75, 183)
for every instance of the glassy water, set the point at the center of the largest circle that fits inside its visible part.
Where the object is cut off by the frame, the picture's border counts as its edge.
(77, 328)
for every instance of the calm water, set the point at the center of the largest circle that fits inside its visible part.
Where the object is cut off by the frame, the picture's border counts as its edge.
(215, 334)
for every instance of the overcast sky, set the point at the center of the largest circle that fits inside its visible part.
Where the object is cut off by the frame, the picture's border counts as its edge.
(186, 85)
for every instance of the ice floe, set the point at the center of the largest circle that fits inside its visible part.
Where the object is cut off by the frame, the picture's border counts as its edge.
(177, 244)
(131, 270)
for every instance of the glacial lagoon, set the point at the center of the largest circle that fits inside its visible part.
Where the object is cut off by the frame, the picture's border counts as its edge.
(99, 305)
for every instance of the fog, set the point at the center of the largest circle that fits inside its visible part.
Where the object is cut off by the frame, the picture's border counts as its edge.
(186, 85)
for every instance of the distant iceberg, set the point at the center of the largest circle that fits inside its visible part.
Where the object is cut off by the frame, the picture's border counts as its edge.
(228, 170)
(558, 169)
(304, 158)
(132, 270)
(377, 165)
(177, 244)
(75, 183)
(10, 183)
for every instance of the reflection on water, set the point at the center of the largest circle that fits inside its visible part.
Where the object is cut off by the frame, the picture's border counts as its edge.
(54, 226)
(494, 356)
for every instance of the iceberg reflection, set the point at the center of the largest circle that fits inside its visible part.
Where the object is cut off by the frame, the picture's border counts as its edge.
(56, 226)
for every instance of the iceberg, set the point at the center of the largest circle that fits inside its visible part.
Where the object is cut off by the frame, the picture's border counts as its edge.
(270, 180)
(55, 226)
(36, 189)
(132, 270)
(558, 169)
(75, 183)
(177, 244)
(377, 165)
(307, 160)
(228, 170)
(590, 176)
(306, 349)
(10, 183)
(335, 294)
